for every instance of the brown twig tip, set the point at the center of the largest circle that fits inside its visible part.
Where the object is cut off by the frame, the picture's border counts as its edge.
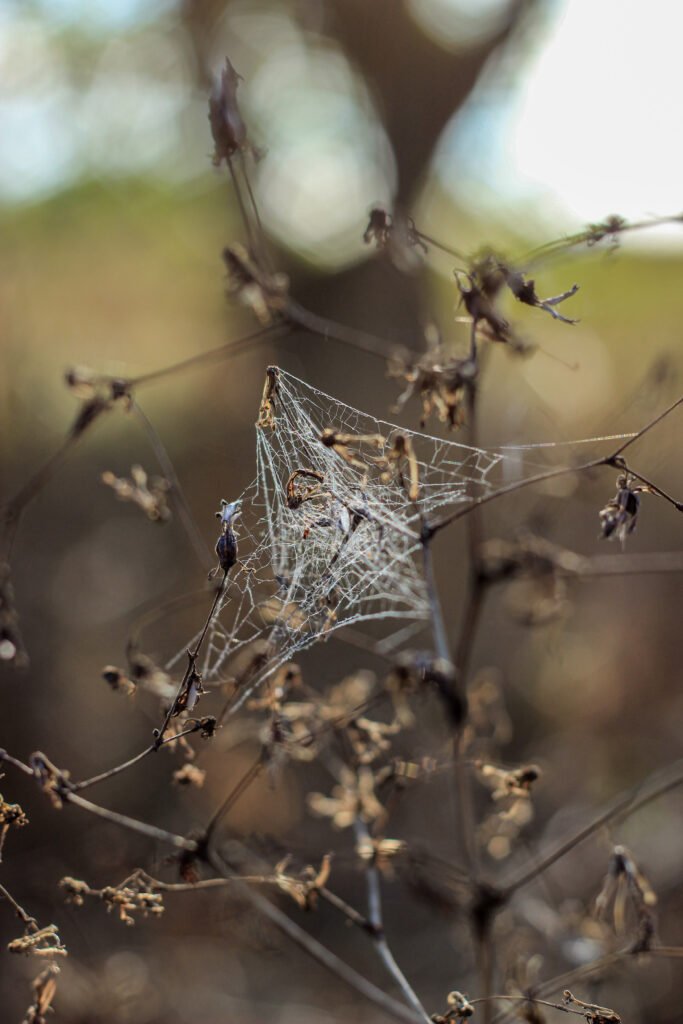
(593, 1013)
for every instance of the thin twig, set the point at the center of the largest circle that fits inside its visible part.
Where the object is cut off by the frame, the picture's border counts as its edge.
(227, 349)
(378, 937)
(315, 949)
(18, 909)
(361, 340)
(233, 796)
(607, 460)
(623, 808)
(151, 831)
(192, 656)
(167, 468)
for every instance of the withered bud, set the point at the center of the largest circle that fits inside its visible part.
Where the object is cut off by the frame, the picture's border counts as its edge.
(379, 227)
(227, 127)
(118, 680)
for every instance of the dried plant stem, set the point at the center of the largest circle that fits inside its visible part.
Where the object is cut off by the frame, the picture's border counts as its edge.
(654, 488)
(588, 237)
(477, 588)
(263, 238)
(226, 350)
(474, 603)
(378, 937)
(325, 894)
(132, 824)
(441, 645)
(587, 970)
(16, 763)
(623, 808)
(233, 796)
(117, 769)
(304, 318)
(252, 240)
(613, 460)
(318, 952)
(192, 656)
(430, 240)
(168, 469)
(18, 909)
(626, 565)
(533, 1000)
(10, 514)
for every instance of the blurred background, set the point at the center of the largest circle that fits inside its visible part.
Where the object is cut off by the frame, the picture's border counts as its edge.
(504, 123)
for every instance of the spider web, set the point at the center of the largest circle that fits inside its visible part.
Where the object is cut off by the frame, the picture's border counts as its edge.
(328, 535)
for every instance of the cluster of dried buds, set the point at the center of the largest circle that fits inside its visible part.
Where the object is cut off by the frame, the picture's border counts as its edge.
(44, 991)
(511, 787)
(11, 816)
(54, 782)
(41, 942)
(304, 889)
(149, 493)
(439, 382)
(134, 895)
(352, 798)
(265, 294)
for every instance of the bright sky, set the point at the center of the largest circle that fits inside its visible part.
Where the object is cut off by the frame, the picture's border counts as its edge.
(587, 126)
(592, 126)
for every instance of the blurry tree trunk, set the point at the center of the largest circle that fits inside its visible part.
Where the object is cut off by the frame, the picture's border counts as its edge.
(418, 86)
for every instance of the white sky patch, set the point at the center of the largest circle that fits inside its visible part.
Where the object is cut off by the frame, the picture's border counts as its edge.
(591, 124)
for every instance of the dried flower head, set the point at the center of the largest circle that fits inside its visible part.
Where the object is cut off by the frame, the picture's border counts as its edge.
(134, 895)
(593, 1013)
(149, 494)
(42, 942)
(11, 815)
(353, 797)
(619, 517)
(304, 889)
(227, 127)
(438, 381)
(625, 885)
(512, 789)
(266, 295)
(189, 775)
(380, 852)
(53, 781)
(459, 1009)
(44, 991)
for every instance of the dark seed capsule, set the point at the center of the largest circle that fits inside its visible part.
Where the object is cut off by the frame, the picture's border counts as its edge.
(226, 549)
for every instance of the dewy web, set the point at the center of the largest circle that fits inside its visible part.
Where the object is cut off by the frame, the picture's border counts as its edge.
(329, 534)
